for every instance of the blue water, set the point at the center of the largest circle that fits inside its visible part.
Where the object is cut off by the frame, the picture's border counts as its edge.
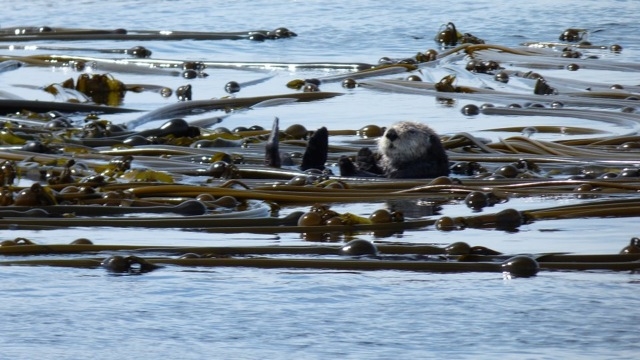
(195, 313)
(248, 314)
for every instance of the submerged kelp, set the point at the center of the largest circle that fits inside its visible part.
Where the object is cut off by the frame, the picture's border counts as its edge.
(67, 164)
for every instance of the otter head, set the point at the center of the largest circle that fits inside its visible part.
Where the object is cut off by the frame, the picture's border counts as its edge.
(405, 142)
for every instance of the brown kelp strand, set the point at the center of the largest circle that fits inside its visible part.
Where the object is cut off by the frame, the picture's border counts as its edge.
(603, 99)
(606, 141)
(550, 129)
(380, 70)
(631, 120)
(168, 66)
(288, 195)
(22, 246)
(136, 51)
(82, 63)
(254, 65)
(201, 106)
(517, 266)
(576, 84)
(249, 221)
(186, 208)
(600, 208)
(459, 252)
(13, 105)
(501, 189)
(551, 62)
(75, 34)
(565, 45)
(511, 219)
(257, 216)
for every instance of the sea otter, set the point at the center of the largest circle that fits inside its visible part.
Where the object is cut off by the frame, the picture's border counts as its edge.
(406, 150)
(412, 150)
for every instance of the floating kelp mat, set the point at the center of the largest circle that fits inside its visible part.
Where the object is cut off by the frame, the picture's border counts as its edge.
(86, 153)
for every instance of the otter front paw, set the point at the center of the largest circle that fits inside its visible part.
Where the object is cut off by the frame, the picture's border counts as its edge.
(367, 161)
(347, 168)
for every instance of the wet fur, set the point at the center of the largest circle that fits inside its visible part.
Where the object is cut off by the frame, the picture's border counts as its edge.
(412, 150)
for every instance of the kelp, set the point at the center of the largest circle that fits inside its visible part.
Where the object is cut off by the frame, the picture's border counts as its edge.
(201, 106)
(539, 61)
(90, 172)
(353, 265)
(389, 257)
(612, 99)
(24, 246)
(374, 71)
(27, 33)
(17, 105)
(171, 67)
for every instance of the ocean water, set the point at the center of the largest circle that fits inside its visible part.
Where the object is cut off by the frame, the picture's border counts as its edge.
(236, 313)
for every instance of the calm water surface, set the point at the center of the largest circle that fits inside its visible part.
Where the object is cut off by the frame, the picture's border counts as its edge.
(192, 313)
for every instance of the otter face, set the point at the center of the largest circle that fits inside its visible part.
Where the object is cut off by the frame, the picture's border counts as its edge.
(405, 142)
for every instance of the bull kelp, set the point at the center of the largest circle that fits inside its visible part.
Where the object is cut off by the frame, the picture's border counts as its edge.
(69, 162)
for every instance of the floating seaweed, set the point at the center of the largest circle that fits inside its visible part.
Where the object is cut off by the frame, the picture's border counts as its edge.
(65, 164)
(354, 255)
(27, 33)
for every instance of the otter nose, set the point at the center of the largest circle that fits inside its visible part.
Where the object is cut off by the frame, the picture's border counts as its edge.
(391, 134)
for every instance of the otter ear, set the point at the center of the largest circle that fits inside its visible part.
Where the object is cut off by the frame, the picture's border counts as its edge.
(315, 155)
